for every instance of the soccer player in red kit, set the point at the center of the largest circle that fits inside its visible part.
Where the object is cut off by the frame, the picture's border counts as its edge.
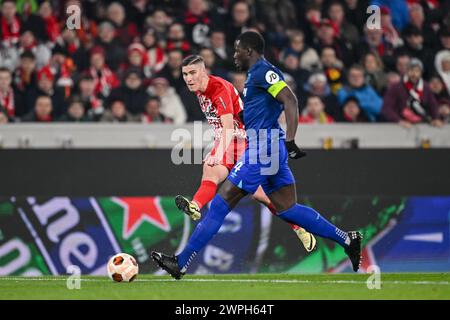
(221, 104)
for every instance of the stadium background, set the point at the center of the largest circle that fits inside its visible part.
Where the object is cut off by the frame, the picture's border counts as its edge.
(74, 195)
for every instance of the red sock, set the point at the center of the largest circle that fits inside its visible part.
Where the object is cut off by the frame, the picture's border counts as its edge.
(274, 212)
(205, 193)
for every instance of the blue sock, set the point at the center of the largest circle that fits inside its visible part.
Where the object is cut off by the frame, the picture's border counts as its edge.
(204, 231)
(313, 222)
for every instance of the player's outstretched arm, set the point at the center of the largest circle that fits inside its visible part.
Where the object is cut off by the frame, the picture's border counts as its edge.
(288, 98)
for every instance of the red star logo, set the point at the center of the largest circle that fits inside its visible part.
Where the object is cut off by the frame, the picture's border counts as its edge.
(140, 209)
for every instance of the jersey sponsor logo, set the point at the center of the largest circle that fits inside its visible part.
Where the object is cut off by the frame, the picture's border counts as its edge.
(272, 77)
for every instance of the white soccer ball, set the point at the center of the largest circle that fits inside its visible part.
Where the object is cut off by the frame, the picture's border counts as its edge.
(122, 268)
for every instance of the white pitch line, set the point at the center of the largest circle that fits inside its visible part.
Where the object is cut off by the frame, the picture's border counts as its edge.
(446, 283)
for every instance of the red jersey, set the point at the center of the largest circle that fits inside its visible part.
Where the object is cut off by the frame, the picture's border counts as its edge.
(219, 98)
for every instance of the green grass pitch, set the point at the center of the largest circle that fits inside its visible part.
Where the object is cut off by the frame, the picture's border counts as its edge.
(226, 287)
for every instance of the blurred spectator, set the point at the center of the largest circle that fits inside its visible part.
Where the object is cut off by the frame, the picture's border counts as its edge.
(25, 76)
(171, 105)
(309, 59)
(442, 65)
(411, 100)
(352, 112)
(444, 110)
(10, 24)
(113, 50)
(76, 112)
(152, 112)
(277, 14)
(291, 65)
(375, 75)
(42, 110)
(399, 10)
(401, 63)
(240, 20)
(172, 70)
(211, 64)
(333, 68)
(390, 34)
(137, 58)
(369, 100)
(375, 43)
(132, 92)
(156, 57)
(125, 31)
(414, 47)
(159, 21)
(10, 100)
(444, 38)
(62, 67)
(315, 112)
(45, 86)
(52, 29)
(347, 31)
(117, 112)
(198, 22)
(105, 80)
(417, 19)
(3, 116)
(70, 43)
(28, 42)
(317, 86)
(438, 87)
(176, 39)
(223, 53)
(326, 36)
(392, 77)
(86, 93)
(355, 13)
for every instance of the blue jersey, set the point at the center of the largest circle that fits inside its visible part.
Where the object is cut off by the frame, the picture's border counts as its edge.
(264, 163)
(261, 109)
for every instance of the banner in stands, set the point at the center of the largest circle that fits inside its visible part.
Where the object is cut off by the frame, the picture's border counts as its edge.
(42, 236)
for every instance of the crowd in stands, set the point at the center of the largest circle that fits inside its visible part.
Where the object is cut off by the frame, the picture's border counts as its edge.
(122, 63)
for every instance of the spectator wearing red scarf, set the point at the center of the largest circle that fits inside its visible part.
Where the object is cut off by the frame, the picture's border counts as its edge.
(176, 39)
(126, 31)
(197, 21)
(10, 101)
(42, 111)
(46, 86)
(28, 42)
(156, 57)
(51, 23)
(137, 58)
(69, 41)
(25, 76)
(105, 80)
(9, 24)
(411, 100)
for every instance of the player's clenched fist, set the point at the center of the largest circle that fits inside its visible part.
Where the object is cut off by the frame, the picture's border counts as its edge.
(294, 151)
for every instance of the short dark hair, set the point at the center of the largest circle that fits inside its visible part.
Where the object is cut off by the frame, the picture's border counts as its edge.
(28, 54)
(193, 59)
(253, 40)
(4, 69)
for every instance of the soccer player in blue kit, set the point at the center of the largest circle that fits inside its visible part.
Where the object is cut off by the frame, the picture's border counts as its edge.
(265, 162)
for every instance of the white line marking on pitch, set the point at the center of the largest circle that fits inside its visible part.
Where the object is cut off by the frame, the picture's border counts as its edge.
(237, 280)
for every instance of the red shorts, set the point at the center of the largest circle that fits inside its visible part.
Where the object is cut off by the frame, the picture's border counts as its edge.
(234, 152)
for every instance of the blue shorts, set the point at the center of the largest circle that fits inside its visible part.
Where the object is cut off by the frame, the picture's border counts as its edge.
(268, 168)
